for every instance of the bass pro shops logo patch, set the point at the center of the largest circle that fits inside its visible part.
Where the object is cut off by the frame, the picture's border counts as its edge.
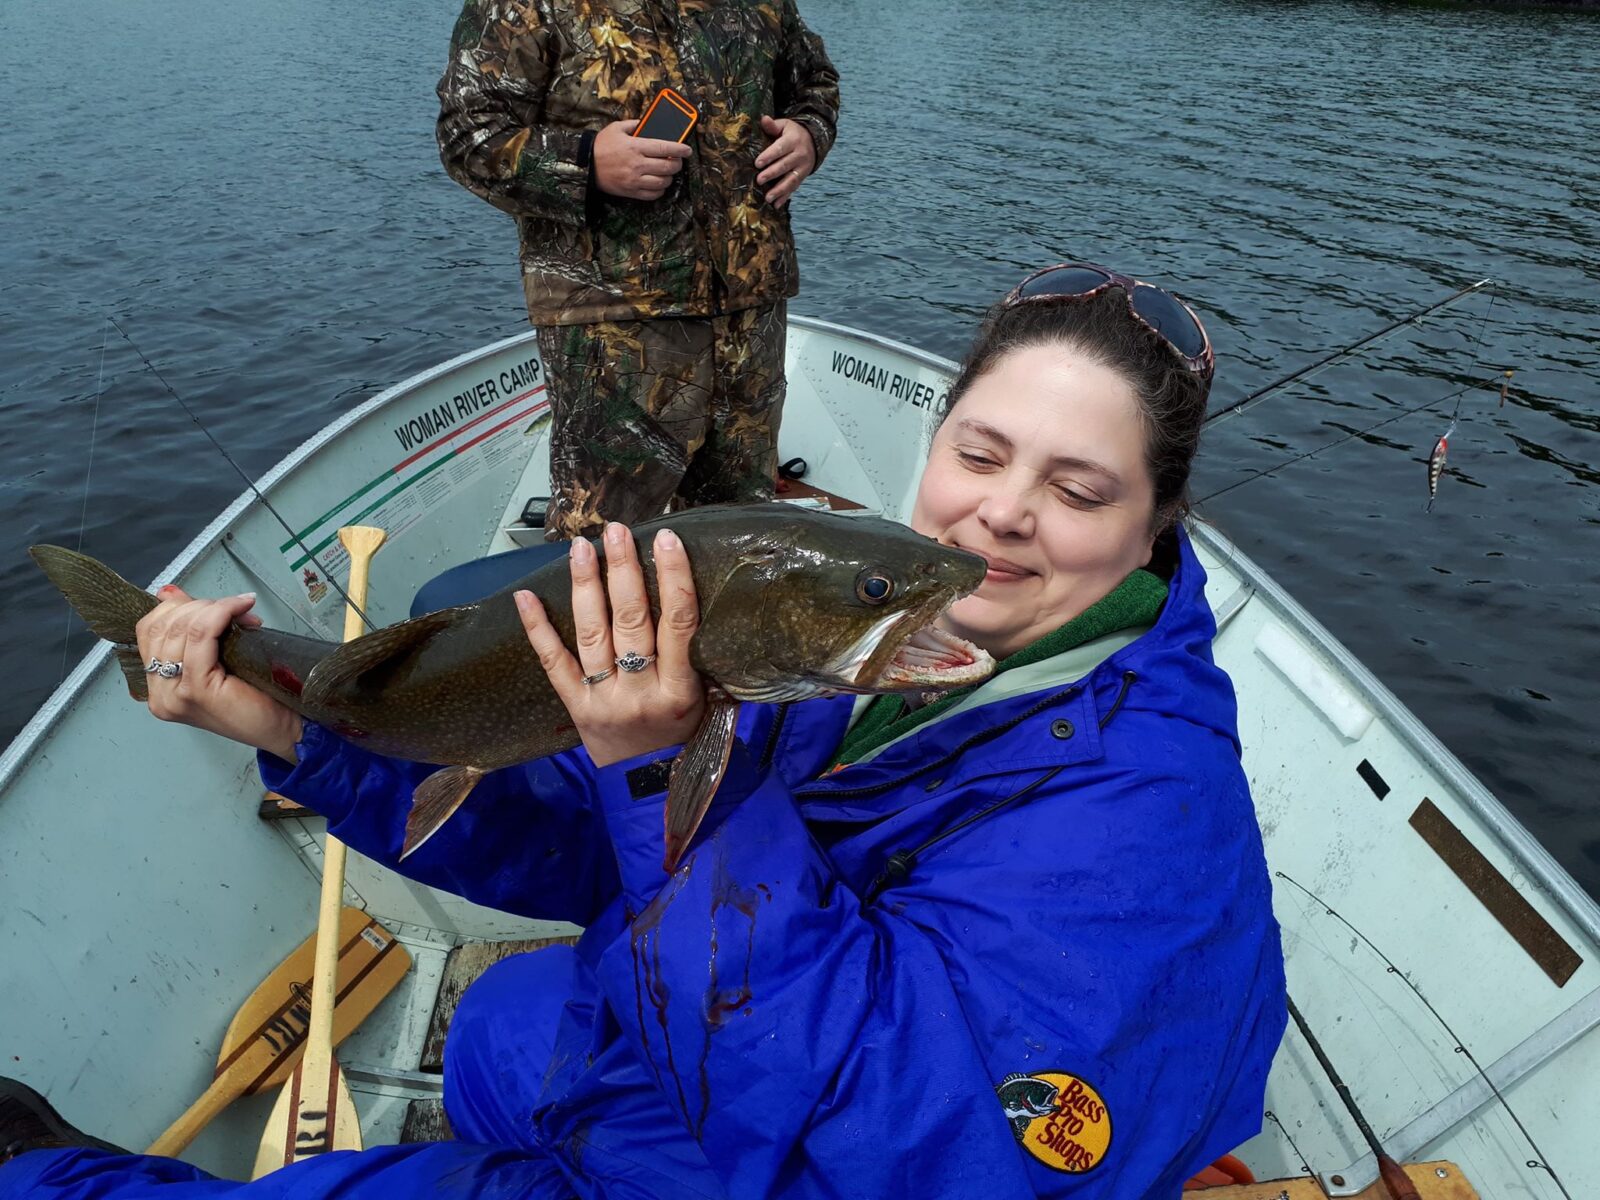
(1058, 1118)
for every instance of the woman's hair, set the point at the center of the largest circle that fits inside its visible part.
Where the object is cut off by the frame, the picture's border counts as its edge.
(1172, 398)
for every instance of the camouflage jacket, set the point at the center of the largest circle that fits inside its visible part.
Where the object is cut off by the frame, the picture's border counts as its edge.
(528, 79)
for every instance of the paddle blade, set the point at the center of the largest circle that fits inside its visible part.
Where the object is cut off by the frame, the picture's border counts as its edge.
(300, 1127)
(270, 1027)
(267, 1037)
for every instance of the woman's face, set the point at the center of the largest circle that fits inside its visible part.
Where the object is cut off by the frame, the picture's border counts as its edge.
(1040, 468)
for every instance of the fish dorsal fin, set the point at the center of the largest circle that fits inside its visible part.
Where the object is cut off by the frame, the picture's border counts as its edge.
(334, 675)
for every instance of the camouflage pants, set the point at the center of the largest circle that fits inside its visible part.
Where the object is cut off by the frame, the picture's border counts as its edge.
(670, 412)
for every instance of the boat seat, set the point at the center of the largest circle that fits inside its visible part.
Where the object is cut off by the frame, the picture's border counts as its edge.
(471, 581)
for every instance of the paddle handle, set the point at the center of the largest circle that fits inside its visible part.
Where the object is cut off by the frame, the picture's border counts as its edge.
(316, 1090)
(362, 542)
(227, 1087)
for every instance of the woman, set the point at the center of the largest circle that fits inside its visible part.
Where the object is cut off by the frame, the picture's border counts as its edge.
(1013, 942)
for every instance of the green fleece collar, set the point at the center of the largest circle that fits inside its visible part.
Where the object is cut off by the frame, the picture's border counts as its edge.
(1069, 652)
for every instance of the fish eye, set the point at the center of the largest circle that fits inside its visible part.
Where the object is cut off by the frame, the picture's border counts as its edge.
(874, 588)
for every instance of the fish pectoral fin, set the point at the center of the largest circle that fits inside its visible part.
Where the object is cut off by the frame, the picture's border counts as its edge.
(696, 774)
(434, 802)
(384, 647)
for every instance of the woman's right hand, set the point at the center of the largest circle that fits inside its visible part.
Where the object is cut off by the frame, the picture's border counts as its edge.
(184, 630)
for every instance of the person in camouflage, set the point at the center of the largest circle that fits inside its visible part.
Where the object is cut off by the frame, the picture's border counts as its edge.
(656, 273)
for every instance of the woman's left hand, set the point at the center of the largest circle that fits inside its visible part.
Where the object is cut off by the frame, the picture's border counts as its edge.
(622, 713)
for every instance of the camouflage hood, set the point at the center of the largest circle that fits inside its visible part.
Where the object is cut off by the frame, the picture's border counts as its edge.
(528, 80)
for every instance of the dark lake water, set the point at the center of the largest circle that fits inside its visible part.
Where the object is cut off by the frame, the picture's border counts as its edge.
(254, 192)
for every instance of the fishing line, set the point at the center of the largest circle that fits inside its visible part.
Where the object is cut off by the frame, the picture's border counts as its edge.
(1477, 347)
(248, 481)
(1288, 1137)
(1537, 1164)
(88, 474)
(1261, 393)
(1289, 462)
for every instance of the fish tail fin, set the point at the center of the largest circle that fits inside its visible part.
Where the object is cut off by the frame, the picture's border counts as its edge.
(133, 671)
(108, 603)
(434, 802)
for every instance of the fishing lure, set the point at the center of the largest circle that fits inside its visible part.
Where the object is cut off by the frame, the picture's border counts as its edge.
(1441, 450)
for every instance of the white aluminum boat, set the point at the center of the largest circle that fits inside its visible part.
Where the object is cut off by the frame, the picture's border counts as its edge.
(141, 897)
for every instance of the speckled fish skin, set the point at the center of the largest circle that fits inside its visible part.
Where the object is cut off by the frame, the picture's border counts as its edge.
(779, 603)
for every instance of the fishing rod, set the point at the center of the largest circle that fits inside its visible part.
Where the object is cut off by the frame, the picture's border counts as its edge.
(1395, 1180)
(250, 483)
(1435, 461)
(1262, 393)
(1537, 1164)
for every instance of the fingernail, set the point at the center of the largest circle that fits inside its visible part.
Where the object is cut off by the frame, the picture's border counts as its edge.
(614, 534)
(245, 596)
(582, 552)
(667, 540)
(522, 599)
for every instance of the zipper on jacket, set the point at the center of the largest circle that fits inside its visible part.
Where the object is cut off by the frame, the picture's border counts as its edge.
(771, 747)
(900, 863)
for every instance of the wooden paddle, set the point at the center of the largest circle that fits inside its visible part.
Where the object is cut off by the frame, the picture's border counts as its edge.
(314, 1112)
(268, 1034)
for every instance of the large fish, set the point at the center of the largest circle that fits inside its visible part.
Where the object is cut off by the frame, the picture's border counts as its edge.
(793, 603)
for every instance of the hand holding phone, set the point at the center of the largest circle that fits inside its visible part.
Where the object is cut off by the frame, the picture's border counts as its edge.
(636, 160)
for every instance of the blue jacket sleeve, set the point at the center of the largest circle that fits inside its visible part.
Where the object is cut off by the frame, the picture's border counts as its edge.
(1111, 937)
(528, 840)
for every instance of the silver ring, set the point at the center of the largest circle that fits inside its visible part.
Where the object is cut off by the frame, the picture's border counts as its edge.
(634, 661)
(168, 670)
(155, 665)
(599, 675)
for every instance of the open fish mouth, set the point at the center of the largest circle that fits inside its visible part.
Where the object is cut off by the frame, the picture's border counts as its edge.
(934, 658)
(907, 652)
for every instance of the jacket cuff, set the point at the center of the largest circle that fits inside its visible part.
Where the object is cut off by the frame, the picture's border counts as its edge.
(633, 796)
(822, 135)
(554, 176)
(314, 751)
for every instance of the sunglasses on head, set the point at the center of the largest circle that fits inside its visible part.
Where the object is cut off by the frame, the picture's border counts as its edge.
(1168, 317)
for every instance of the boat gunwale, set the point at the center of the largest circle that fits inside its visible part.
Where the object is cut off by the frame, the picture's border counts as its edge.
(1540, 865)
(38, 727)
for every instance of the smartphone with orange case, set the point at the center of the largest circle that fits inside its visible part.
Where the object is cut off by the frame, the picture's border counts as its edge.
(670, 117)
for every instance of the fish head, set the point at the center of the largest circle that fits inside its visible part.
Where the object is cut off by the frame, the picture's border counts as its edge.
(820, 604)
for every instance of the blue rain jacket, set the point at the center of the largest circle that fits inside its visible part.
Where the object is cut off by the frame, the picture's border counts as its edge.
(1027, 950)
